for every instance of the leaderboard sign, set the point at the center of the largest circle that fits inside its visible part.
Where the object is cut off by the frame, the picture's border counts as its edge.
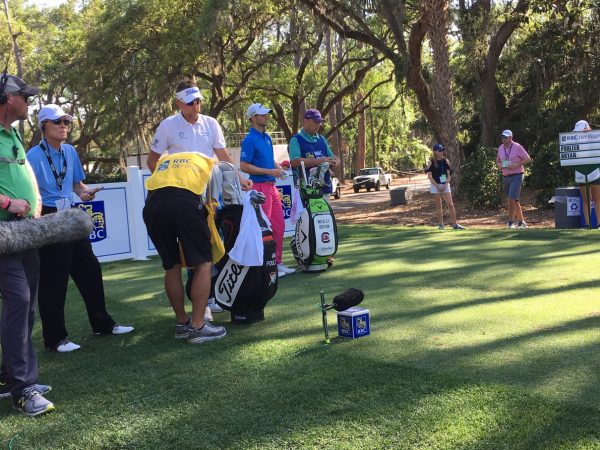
(580, 150)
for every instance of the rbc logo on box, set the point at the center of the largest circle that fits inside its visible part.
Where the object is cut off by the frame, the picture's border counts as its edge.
(285, 192)
(96, 212)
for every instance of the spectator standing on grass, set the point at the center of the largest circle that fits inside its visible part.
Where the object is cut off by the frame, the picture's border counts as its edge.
(257, 159)
(439, 173)
(59, 173)
(175, 212)
(593, 182)
(310, 147)
(510, 159)
(19, 272)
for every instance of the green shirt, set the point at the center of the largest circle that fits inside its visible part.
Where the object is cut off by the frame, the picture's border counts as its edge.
(294, 147)
(15, 178)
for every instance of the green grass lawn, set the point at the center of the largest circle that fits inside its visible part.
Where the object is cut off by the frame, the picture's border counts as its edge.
(480, 339)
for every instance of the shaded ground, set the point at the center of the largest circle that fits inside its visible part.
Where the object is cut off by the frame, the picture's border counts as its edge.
(421, 211)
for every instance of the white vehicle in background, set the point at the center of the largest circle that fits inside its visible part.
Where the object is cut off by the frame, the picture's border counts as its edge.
(336, 190)
(371, 178)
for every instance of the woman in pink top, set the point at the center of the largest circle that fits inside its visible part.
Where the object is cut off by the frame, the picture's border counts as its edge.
(510, 159)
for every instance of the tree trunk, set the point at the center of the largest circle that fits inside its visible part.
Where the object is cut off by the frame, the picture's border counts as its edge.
(17, 53)
(361, 137)
(437, 21)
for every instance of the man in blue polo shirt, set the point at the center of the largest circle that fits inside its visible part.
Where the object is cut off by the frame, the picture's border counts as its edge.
(257, 159)
(312, 148)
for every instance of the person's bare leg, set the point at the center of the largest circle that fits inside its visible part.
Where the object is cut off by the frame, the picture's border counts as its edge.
(518, 212)
(584, 202)
(200, 291)
(438, 207)
(510, 209)
(175, 292)
(450, 205)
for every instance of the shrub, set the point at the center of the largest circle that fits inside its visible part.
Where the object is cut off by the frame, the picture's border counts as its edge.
(99, 178)
(481, 181)
(547, 174)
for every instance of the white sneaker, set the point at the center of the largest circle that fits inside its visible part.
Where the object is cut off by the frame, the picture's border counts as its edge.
(208, 315)
(283, 268)
(66, 346)
(214, 306)
(120, 329)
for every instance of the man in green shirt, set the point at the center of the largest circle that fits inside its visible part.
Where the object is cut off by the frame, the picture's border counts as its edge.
(310, 147)
(19, 272)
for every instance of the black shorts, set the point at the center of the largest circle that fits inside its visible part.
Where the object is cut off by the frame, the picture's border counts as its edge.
(173, 216)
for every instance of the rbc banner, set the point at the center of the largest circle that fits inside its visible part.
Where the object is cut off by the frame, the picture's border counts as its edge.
(96, 211)
(111, 236)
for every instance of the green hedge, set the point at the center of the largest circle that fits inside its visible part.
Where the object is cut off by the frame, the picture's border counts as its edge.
(481, 181)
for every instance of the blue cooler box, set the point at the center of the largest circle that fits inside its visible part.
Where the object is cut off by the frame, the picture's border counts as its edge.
(354, 322)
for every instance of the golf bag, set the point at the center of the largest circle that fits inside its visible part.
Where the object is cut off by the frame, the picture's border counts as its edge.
(315, 238)
(243, 289)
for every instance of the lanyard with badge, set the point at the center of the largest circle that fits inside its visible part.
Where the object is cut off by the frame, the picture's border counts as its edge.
(62, 203)
(442, 171)
(506, 160)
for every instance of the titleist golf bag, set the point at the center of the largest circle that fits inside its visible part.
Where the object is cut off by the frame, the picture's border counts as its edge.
(315, 238)
(243, 289)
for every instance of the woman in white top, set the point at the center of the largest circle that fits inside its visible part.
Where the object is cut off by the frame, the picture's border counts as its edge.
(593, 181)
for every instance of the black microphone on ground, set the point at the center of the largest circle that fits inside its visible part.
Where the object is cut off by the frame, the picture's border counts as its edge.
(348, 299)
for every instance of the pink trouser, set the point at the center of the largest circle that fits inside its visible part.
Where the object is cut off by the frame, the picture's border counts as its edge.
(274, 211)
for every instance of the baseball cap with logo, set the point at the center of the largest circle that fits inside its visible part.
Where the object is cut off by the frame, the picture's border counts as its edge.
(256, 109)
(313, 114)
(506, 133)
(438, 148)
(15, 85)
(189, 94)
(52, 112)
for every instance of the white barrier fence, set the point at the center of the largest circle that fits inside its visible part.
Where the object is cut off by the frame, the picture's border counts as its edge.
(119, 230)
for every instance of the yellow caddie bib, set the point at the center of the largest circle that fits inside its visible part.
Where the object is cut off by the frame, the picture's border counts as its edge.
(189, 171)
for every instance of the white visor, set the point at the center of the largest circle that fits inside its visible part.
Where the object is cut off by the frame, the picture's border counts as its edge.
(189, 95)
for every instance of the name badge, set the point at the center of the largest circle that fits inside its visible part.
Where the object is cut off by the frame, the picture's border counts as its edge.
(443, 178)
(62, 204)
(505, 163)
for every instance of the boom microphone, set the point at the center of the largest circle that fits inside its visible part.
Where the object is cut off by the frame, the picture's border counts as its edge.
(63, 226)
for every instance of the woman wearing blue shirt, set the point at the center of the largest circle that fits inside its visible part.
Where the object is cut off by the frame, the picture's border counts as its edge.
(60, 175)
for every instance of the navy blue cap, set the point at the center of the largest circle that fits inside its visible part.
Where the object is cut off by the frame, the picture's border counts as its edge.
(438, 148)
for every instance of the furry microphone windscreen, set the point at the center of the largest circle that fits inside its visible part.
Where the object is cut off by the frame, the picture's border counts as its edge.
(348, 299)
(63, 226)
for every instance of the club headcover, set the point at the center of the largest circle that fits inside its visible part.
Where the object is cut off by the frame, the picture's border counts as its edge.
(348, 299)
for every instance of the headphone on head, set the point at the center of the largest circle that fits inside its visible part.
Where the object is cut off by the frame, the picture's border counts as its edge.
(3, 83)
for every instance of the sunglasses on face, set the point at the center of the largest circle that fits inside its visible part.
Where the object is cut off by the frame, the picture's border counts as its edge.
(65, 122)
(24, 96)
(441, 150)
(193, 102)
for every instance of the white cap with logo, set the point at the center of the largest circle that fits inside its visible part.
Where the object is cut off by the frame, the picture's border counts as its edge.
(256, 109)
(506, 133)
(190, 94)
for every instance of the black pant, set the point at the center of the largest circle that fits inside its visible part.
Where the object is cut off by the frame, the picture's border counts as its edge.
(57, 262)
(18, 288)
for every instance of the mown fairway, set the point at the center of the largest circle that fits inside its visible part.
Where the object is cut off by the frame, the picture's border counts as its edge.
(480, 339)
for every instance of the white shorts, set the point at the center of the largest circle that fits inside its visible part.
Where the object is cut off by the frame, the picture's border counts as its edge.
(434, 190)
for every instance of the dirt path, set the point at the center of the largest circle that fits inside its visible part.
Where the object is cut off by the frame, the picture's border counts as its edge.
(421, 211)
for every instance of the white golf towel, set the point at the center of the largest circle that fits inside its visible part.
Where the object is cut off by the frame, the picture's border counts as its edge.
(248, 249)
(297, 206)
